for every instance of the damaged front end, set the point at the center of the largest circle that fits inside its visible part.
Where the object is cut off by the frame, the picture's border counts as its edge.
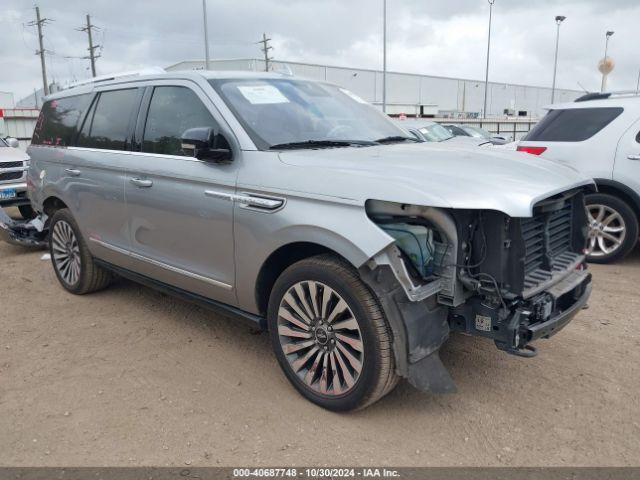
(481, 272)
(25, 233)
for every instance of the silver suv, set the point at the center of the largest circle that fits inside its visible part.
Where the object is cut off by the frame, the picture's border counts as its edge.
(302, 208)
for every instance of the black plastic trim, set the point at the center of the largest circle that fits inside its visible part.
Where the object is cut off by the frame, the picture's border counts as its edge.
(218, 307)
(622, 188)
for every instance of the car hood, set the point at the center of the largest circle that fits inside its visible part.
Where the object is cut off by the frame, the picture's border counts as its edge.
(10, 154)
(465, 141)
(436, 175)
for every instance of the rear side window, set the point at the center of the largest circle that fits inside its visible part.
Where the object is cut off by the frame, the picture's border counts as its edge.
(58, 121)
(107, 125)
(573, 124)
(172, 111)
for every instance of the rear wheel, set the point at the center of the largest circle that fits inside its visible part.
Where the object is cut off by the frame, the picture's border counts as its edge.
(330, 335)
(613, 228)
(72, 262)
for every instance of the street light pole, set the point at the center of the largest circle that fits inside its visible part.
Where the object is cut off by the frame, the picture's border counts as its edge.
(384, 56)
(559, 20)
(207, 61)
(606, 49)
(486, 78)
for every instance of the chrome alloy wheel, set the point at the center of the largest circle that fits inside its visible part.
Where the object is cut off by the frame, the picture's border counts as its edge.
(320, 338)
(607, 230)
(66, 252)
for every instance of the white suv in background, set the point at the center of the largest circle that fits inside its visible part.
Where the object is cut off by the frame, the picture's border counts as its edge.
(599, 134)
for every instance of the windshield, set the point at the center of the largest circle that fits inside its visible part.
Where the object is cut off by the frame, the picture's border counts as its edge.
(477, 132)
(436, 133)
(304, 114)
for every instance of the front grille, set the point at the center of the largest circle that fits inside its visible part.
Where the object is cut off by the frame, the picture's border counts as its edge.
(547, 242)
(10, 165)
(10, 176)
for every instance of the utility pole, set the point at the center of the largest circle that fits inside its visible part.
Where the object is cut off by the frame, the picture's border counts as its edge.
(486, 77)
(265, 49)
(207, 60)
(384, 56)
(559, 20)
(39, 22)
(92, 48)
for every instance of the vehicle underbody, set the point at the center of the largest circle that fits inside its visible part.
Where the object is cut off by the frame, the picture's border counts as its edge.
(512, 280)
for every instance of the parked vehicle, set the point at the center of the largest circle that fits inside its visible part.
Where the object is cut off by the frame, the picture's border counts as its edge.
(475, 132)
(13, 168)
(599, 134)
(302, 208)
(427, 131)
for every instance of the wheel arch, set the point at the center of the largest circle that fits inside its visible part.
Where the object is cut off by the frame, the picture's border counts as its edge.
(279, 260)
(51, 204)
(621, 191)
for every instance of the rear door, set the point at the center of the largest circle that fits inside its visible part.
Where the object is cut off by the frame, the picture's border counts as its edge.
(627, 166)
(95, 173)
(180, 209)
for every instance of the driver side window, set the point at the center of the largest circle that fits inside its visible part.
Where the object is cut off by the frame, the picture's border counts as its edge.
(172, 111)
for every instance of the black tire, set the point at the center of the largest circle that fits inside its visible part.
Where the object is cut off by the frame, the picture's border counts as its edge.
(629, 218)
(377, 376)
(27, 212)
(90, 277)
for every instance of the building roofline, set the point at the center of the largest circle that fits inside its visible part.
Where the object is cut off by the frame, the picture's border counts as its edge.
(372, 70)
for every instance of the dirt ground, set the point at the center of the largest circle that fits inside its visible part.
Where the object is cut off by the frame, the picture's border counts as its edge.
(130, 377)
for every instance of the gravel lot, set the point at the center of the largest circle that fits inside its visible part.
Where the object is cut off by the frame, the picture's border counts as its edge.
(131, 377)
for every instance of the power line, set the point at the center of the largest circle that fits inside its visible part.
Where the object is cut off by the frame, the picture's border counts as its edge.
(40, 22)
(92, 48)
(265, 49)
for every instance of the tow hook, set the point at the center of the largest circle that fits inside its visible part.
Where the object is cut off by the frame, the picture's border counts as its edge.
(528, 351)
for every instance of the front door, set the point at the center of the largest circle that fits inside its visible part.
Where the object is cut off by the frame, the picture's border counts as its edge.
(180, 209)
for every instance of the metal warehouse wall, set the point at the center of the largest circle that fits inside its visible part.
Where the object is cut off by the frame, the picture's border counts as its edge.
(405, 90)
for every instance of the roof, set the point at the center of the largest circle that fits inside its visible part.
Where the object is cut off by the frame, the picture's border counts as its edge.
(144, 75)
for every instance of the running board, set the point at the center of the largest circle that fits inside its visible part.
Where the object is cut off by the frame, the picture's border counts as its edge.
(209, 304)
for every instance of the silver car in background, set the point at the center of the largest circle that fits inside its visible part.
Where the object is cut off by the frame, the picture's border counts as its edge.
(298, 206)
(428, 131)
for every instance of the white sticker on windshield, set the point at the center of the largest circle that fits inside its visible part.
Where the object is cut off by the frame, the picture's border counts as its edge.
(352, 95)
(262, 94)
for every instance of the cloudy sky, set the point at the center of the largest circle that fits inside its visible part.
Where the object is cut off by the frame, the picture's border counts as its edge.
(439, 37)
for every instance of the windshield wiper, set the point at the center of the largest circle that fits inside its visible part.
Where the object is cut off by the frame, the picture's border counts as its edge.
(320, 144)
(395, 138)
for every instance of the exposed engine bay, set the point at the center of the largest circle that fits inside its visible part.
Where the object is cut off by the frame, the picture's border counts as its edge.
(481, 272)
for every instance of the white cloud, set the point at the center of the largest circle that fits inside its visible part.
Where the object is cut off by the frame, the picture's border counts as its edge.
(440, 38)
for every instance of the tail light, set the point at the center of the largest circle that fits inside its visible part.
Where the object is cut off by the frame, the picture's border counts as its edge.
(531, 150)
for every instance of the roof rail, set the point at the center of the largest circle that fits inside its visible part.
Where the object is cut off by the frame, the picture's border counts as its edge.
(604, 95)
(114, 76)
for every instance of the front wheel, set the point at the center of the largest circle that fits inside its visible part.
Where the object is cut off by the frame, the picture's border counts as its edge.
(613, 228)
(330, 335)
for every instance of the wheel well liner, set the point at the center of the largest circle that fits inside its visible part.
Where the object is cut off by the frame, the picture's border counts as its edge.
(277, 262)
(621, 191)
(51, 204)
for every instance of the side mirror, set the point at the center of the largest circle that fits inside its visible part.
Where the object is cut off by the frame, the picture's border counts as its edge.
(12, 142)
(205, 144)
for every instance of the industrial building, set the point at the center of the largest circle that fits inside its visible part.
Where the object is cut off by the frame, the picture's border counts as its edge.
(412, 94)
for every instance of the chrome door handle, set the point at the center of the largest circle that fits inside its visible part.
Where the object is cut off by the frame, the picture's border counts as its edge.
(633, 157)
(72, 171)
(139, 182)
